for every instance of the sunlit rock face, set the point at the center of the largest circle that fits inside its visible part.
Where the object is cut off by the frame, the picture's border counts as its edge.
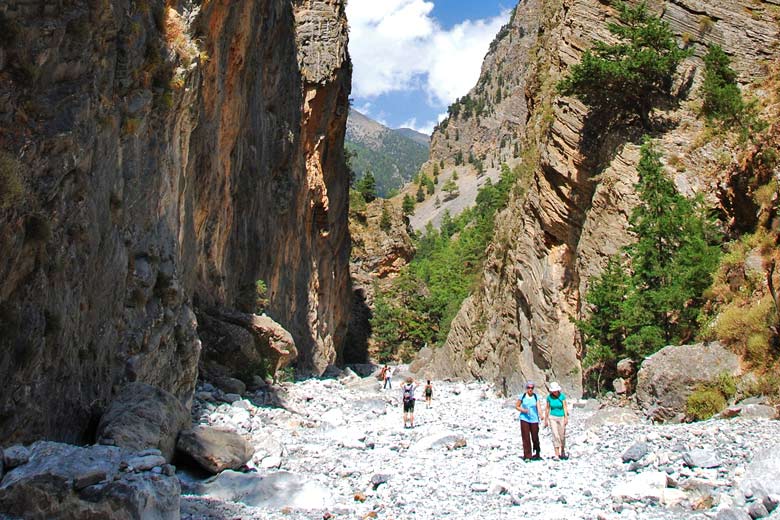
(157, 159)
(571, 211)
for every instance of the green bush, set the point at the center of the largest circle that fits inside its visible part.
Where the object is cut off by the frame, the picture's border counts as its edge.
(703, 403)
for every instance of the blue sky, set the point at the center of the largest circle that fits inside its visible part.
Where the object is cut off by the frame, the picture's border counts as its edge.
(412, 58)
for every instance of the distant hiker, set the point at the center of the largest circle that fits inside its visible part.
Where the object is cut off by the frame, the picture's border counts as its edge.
(528, 406)
(557, 417)
(428, 393)
(387, 375)
(408, 389)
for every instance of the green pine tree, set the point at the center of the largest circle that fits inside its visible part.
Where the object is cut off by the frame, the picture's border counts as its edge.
(407, 206)
(420, 193)
(384, 220)
(654, 298)
(367, 187)
(632, 75)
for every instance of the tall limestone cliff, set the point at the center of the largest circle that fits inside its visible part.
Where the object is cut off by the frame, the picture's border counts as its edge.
(157, 158)
(570, 213)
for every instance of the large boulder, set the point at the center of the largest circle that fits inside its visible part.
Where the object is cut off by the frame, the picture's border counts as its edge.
(70, 482)
(142, 417)
(213, 449)
(274, 491)
(667, 378)
(246, 344)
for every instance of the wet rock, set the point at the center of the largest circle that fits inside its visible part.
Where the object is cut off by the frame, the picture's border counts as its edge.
(63, 481)
(141, 417)
(213, 449)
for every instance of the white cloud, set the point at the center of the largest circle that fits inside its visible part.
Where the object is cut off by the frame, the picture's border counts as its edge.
(425, 128)
(396, 45)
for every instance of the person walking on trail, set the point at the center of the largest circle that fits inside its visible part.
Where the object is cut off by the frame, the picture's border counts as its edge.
(388, 376)
(428, 394)
(556, 416)
(408, 389)
(528, 406)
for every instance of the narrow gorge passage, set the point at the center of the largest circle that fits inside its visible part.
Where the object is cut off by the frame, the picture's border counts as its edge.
(341, 450)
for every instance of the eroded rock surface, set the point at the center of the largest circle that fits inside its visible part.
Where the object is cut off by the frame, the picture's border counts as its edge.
(161, 154)
(70, 483)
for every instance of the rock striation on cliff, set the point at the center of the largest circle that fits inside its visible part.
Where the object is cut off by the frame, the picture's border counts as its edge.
(570, 213)
(158, 157)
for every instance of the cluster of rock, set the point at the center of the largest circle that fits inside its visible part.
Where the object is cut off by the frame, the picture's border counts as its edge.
(337, 447)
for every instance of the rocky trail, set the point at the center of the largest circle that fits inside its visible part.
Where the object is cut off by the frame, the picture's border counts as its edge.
(336, 448)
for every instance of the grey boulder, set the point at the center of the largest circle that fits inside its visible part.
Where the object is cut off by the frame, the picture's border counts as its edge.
(214, 449)
(142, 417)
(702, 459)
(667, 378)
(762, 476)
(70, 482)
(635, 452)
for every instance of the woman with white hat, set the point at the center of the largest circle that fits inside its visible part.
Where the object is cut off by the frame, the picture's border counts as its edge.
(556, 416)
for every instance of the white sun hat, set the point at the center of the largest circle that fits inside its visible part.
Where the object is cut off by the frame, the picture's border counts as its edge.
(555, 387)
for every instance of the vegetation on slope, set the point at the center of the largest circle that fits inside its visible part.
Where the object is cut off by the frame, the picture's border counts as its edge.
(651, 293)
(418, 308)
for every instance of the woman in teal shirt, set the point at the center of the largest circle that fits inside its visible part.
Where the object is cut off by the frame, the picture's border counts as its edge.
(528, 406)
(557, 417)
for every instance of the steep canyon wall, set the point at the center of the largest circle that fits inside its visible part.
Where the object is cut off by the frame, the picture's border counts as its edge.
(157, 158)
(570, 210)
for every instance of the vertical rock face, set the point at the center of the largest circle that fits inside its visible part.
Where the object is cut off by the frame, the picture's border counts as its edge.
(571, 211)
(155, 159)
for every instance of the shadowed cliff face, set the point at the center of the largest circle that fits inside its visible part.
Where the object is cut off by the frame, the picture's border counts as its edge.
(572, 211)
(154, 157)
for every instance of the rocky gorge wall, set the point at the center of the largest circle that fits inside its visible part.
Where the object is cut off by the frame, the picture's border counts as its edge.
(570, 213)
(155, 159)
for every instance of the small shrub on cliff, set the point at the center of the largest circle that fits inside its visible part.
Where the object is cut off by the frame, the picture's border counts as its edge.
(261, 296)
(367, 187)
(723, 100)
(384, 220)
(631, 76)
(11, 186)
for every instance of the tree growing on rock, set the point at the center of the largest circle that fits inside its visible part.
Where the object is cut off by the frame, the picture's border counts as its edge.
(651, 293)
(407, 206)
(367, 187)
(631, 76)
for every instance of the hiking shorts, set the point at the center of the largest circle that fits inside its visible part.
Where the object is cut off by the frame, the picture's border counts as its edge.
(409, 406)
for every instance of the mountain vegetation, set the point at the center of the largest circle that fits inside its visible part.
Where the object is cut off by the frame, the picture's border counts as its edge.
(394, 157)
(420, 304)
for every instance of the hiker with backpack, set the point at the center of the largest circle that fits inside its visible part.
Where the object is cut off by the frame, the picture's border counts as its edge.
(428, 394)
(408, 389)
(556, 416)
(528, 406)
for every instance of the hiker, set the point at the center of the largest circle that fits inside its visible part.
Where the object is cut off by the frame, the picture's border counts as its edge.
(556, 416)
(428, 393)
(408, 389)
(528, 406)
(387, 374)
